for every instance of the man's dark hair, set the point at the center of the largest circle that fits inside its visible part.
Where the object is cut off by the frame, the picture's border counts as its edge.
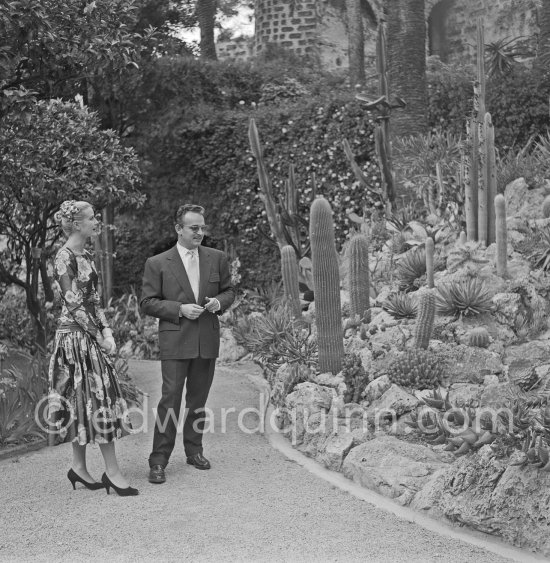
(187, 208)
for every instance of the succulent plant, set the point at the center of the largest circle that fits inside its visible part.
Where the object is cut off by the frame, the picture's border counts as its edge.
(326, 278)
(523, 374)
(464, 297)
(467, 255)
(479, 337)
(417, 369)
(460, 429)
(425, 320)
(412, 267)
(540, 255)
(400, 306)
(355, 377)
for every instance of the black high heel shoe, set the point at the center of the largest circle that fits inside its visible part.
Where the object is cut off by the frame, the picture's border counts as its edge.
(75, 478)
(127, 492)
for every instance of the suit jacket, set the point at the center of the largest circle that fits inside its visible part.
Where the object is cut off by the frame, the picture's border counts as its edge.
(166, 286)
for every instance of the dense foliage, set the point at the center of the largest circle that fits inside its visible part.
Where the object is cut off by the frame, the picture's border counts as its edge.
(192, 138)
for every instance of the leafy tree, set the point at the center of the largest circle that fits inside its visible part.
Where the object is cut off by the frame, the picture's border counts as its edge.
(59, 153)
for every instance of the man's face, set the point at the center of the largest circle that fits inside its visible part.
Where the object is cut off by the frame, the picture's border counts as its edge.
(192, 230)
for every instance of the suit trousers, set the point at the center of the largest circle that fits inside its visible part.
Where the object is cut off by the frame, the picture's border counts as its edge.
(196, 374)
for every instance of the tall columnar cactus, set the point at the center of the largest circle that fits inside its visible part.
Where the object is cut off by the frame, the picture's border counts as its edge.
(490, 179)
(471, 182)
(327, 287)
(463, 238)
(430, 261)
(289, 269)
(359, 275)
(425, 320)
(546, 207)
(501, 235)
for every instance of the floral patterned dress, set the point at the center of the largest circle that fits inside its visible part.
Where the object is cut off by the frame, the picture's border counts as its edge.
(85, 399)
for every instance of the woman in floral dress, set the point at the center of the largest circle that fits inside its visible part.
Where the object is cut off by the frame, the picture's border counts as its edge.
(85, 399)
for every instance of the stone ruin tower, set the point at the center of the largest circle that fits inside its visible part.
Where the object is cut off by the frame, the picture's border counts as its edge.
(309, 27)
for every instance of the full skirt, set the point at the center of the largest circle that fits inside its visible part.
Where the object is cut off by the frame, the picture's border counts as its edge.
(85, 400)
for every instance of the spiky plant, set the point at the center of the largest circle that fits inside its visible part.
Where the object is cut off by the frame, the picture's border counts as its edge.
(417, 368)
(400, 306)
(540, 255)
(411, 267)
(464, 297)
(468, 255)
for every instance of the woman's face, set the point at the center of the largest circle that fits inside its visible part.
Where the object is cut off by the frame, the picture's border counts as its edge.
(88, 225)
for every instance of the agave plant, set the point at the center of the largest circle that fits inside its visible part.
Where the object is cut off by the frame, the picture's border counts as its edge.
(411, 268)
(464, 297)
(540, 255)
(400, 306)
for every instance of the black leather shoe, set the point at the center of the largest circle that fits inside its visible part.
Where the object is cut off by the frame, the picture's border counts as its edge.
(199, 461)
(157, 475)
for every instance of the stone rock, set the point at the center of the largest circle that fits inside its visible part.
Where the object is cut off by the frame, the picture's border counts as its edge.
(230, 351)
(334, 450)
(486, 494)
(284, 380)
(507, 306)
(306, 400)
(495, 395)
(376, 388)
(390, 339)
(392, 467)
(536, 350)
(467, 364)
(328, 379)
(523, 202)
(395, 400)
(461, 394)
(490, 379)
(383, 318)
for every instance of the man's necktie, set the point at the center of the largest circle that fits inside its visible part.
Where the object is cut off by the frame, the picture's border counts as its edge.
(193, 273)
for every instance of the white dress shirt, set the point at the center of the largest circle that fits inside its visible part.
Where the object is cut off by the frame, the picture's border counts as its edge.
(185, 255)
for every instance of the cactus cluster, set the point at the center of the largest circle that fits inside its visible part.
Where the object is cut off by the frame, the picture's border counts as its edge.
(425, 320)
(459, 428)
(326, 278)
(416, 369)
(481, 183)
(355, 377)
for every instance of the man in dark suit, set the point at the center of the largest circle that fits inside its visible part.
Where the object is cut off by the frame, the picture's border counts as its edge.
(185, 287)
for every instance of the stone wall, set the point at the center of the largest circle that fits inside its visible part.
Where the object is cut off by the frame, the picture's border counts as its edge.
(452, 24)
(319, 28)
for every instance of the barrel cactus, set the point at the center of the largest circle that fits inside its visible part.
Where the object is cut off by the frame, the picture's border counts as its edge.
(479, 337)
(326, 279)
(425, 320)
(359, 275)
(289, 270)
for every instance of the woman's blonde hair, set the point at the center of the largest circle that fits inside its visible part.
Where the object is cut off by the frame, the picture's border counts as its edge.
(69, 212)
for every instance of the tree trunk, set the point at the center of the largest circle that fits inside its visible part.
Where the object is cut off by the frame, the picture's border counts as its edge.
(543, 47)
(407, 64)
(356, 41)
(206, 13)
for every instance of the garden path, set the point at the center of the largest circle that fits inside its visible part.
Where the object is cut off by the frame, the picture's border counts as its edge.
(253, 505)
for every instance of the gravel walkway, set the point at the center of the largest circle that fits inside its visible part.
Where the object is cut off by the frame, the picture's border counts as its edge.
(253, 505)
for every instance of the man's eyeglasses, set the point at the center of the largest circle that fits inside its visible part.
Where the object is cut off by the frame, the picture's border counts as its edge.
(196, 228)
